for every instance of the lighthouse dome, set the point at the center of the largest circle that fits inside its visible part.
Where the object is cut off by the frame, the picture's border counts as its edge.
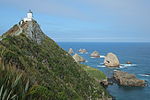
(29, 16)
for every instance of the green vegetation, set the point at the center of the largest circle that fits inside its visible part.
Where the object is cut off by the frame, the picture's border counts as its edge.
(13, 84)
(43, 72)
(93, 72)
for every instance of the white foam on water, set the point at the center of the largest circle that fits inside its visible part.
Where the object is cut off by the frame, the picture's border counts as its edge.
(101, 56)
(86, 53)
(92, 57)
(101, 66)
(143, 75)
(97, 57)
(80, 53)
(120, 67)
(115, 70)
(86, 61)
(123, 66)
(128, 65)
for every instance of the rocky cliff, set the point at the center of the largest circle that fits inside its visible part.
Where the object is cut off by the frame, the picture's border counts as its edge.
(30, 29)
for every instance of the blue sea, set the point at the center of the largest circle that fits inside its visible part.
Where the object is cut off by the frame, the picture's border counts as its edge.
(137, 53)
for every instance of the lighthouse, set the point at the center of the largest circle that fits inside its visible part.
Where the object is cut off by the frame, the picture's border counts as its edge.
(29, 16)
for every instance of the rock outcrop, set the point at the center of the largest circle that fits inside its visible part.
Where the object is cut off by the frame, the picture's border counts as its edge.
(111, 60)
(30, 29)
(70, 51)
(128, 62)
(82, 50)
(104, 82)
(78, 58)
(126, 79)
(95, 54)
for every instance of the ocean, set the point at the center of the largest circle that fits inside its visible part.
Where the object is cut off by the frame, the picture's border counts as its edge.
(137, 53)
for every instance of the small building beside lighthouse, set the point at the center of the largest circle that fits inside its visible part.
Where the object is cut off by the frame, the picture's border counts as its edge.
(29, 16)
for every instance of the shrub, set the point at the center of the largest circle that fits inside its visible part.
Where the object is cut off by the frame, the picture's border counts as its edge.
(13, 85)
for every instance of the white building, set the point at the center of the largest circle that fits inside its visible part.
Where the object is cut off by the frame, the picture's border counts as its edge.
(29, 16)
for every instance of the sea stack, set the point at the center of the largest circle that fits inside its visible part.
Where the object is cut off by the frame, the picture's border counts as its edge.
(126, 79)
(111, 60)
(70, 51)
(95, 54)
(78, 58)
(82, 50)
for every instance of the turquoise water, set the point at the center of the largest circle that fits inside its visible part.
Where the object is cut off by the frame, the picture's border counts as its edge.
(137, 53)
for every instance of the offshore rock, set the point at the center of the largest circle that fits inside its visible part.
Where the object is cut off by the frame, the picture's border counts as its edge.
(78, 58)
(82, 50)
(95, 54)
(126, 79)
(128, 62)
(70, 51)
(111, 60)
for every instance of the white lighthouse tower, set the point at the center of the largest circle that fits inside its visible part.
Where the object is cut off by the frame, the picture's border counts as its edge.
(29, 16)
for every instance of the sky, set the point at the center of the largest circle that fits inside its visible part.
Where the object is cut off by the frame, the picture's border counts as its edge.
(83, 20)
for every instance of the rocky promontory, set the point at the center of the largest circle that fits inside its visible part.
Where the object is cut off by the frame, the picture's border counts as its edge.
(126, 79)
(111, 60)
(43, 70)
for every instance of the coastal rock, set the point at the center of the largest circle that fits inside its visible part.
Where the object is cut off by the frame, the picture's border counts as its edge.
(70, 51)
(128, 62)
(111, 60)
(82, 50)
(78, 58)
(126, 79)
(95, 54)
(107, 81)
(104, 82)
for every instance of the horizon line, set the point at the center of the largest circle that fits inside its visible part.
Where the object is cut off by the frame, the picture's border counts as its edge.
(100, 42)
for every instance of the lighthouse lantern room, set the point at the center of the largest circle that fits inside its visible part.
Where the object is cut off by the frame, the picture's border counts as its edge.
(29, 16)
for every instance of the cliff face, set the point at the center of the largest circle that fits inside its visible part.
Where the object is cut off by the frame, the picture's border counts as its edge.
(52, 72)
(30, 29)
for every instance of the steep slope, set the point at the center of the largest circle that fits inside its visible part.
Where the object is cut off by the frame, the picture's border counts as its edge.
(52, 72)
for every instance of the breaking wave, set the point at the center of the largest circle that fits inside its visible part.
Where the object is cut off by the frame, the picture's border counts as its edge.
(127, 65)
(120, 67)
(101, 66)
(102, 56)
(92, 57)
(144, 74)
(98, 57)
(86, 61)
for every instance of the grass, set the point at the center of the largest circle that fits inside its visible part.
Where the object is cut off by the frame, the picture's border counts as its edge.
(93, 72)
